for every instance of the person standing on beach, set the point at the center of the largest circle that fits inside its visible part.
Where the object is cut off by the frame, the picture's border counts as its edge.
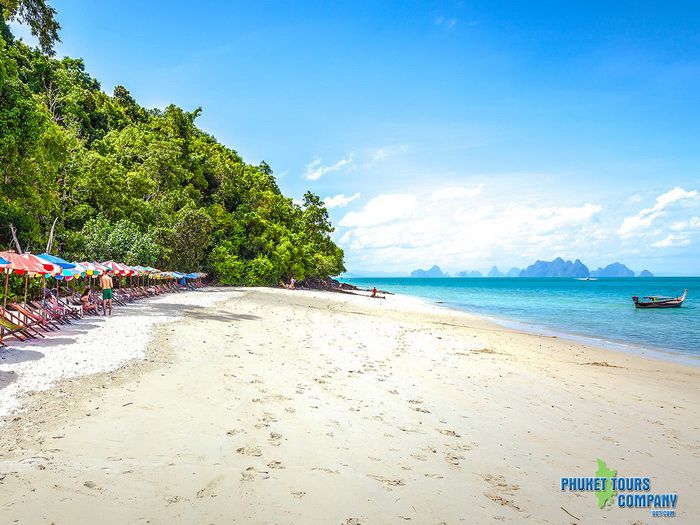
(106, 284)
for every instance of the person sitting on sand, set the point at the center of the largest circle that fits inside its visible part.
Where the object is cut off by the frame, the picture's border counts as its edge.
(106, 284)
(88, 306)
(292, 283)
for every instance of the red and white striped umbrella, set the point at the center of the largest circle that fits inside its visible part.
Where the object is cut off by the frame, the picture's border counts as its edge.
(119, 268)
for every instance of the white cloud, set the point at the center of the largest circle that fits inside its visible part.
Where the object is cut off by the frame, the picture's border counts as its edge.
(381, 210)
(456, 192)
(314, 169)
(383, 154)
(637, 224)
(671, 241)
(340, 200)
(449, 23)
(405, 231)
(691, 224)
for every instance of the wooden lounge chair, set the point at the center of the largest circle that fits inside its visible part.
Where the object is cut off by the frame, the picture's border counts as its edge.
(8, 328)
(61, 316)
(12, 322)
(26, 315)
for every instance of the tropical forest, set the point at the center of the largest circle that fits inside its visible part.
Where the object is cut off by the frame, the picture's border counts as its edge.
(89, 175)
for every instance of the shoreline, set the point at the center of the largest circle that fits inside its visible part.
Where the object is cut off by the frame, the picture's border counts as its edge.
(649, 351)
(139, 351)
(311, 407)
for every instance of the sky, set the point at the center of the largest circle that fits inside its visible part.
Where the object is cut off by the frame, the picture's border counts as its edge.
(464, 134)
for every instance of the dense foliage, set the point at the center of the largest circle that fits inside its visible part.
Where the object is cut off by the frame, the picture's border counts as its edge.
(142, 186)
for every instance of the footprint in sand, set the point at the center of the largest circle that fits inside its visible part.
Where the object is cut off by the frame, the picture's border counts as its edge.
(388, 483)
(297, 493)
(326, 470)
(419, 456)
(448, 432)
(249, 451)
(502, 492)
(462, 447)
(453, 459)
(274, 439)
(276, 465)
(208, 490)
(170, 500)
(421, 409)
(251, 473)
(89, 485)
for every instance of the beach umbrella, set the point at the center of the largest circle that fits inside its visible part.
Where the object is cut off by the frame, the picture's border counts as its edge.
(24, 264)
(56, 260)
(118, 268)
(101, 267)
(68, 270)
(90, 268)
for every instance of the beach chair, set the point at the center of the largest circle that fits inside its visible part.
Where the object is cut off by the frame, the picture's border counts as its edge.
(14, 323)
(75, 311)
(8, 328)
(59, 315)
(28, 315)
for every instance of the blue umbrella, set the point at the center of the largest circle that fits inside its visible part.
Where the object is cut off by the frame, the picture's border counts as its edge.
(57, 260)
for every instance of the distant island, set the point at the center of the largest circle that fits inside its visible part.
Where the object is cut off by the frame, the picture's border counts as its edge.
(467, 273)
(495, 272)
(435, 271)
(613, 270)
(555, 268)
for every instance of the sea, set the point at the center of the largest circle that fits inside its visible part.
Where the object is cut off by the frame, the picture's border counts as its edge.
(595, 311)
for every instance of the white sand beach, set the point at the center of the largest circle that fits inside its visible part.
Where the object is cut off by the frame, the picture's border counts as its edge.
(276, 406)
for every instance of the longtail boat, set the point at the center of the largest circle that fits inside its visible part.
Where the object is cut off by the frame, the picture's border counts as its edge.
(653, 301)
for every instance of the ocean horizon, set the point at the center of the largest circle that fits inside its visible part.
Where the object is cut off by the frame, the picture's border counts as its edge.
(599, 311)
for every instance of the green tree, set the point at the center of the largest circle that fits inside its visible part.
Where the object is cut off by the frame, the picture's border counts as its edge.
(139, 186)
(38, 15)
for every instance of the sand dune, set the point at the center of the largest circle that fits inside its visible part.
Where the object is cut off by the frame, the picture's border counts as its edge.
(272, 406)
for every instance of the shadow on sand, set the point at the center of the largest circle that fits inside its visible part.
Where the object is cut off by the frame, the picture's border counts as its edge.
(7, 378)
(11, 356)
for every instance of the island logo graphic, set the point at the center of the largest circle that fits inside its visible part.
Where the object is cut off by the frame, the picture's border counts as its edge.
(612, 490)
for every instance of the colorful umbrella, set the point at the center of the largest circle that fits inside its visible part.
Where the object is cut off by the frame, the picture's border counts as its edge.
(25, 263)
(56, 260)
(91, 269)
(119, 268)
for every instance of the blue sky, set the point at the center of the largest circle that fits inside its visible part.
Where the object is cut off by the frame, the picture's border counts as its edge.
(464, 134)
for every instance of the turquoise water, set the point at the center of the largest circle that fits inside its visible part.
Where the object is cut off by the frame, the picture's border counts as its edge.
(601, 309)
